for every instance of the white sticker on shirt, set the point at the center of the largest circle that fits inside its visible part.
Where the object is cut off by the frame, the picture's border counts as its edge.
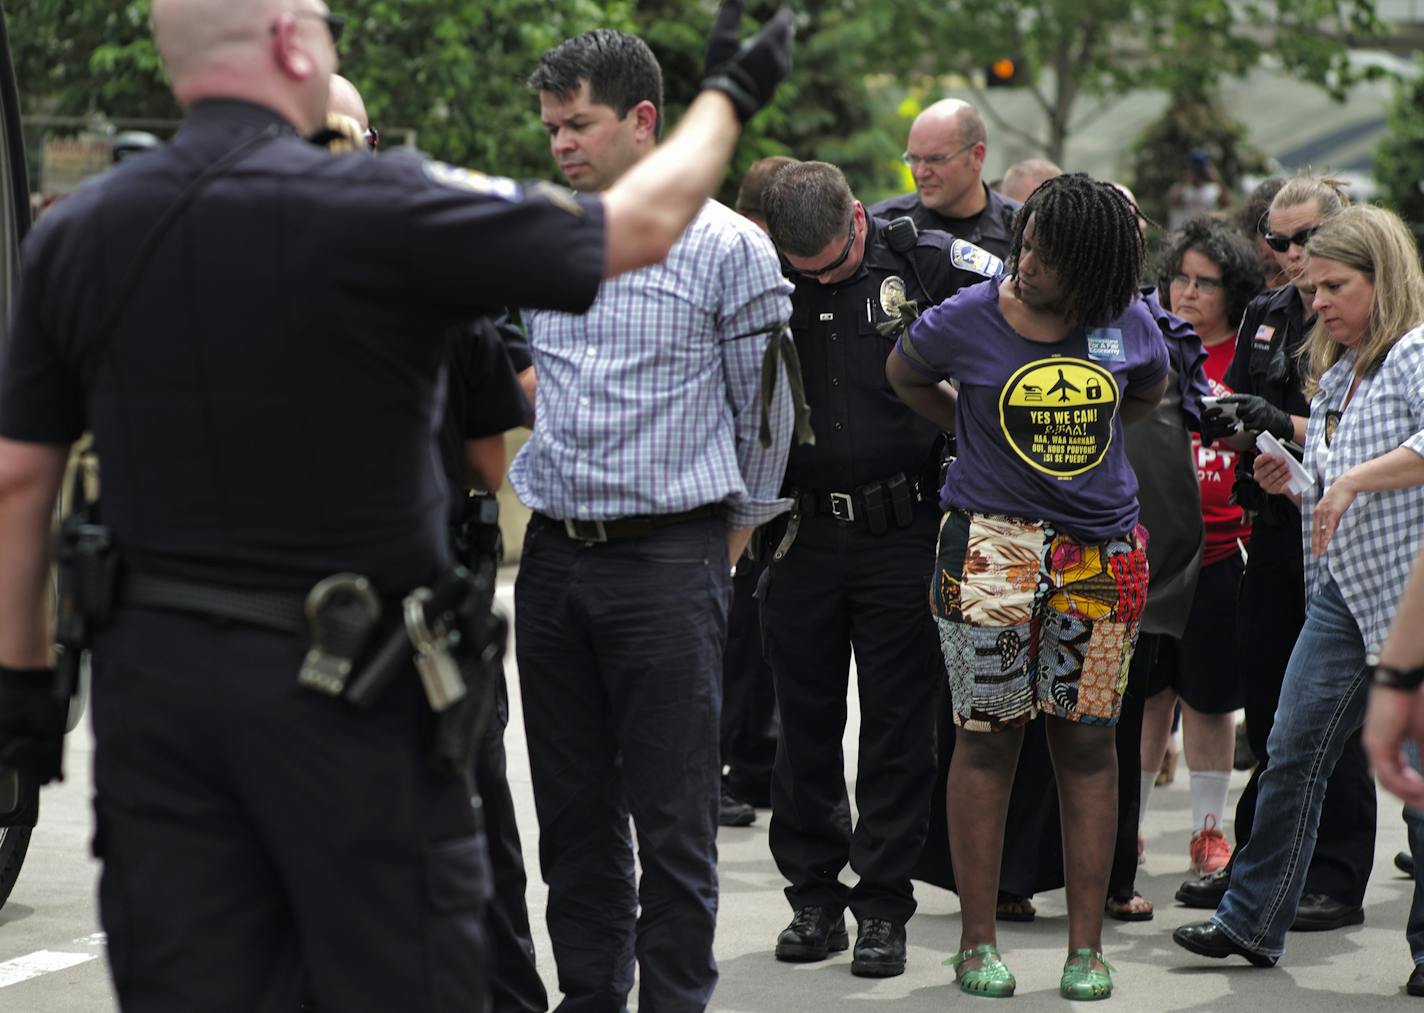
(968, 257)
(1105, 344)
(475, 182)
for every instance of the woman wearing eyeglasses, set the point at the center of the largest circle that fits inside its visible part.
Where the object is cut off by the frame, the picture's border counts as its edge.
(1363, 519)
(1266, 374)
(1210, 275)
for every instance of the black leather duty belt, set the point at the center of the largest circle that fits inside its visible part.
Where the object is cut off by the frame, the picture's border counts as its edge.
(273, 610)
(619, 528)
(851, 506)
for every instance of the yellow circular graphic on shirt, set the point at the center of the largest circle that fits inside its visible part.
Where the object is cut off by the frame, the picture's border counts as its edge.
(1057, 414)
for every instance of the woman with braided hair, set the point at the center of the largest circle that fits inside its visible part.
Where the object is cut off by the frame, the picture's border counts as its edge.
(1041, 571)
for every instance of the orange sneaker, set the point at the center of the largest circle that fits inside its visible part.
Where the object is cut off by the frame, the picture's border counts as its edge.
(1209, 850)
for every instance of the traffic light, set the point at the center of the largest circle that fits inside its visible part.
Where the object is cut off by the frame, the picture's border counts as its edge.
(1005, 72)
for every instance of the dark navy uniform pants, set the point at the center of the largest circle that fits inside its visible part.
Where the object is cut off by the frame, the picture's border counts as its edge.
(620, 664)
(1272, 614)
(515, 985)
(839, 589)
(749, 722)
(263, 845)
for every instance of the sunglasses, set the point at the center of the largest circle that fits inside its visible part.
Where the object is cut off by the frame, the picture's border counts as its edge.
(1281, 243)
(816, 272)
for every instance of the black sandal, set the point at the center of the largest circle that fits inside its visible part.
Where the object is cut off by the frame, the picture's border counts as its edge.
(1012, 908)
(1124, 908)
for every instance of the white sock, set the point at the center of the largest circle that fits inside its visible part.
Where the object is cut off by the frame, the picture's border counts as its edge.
(1209, 796)
(1149, 781)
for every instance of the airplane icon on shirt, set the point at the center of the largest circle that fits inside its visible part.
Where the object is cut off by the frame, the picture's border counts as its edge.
(1062, 387)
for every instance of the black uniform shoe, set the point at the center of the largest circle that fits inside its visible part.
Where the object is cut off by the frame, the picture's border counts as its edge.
(1415, 984)
(1319, 913)
(753, 792)
(734, 812)
(1206, 939)
(1404, 862)
(812, 935)
(1205, 893)
(879, 949)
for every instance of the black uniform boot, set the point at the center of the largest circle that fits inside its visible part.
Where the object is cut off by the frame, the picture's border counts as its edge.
(812, 935)
(879, 949)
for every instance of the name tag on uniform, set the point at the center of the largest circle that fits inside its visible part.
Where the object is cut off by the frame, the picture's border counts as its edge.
(828, 316)
(1263, 336)
(1105, 344)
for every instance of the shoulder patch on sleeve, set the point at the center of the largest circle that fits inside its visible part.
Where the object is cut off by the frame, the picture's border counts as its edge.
(475, 182)
(968, 257)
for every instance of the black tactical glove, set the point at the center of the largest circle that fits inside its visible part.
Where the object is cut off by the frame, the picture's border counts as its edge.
(1260, 416)
(747, 72)
(1216, 424)
(32, 723)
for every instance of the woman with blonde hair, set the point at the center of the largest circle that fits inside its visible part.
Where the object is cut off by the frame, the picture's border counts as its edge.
(1362, 512)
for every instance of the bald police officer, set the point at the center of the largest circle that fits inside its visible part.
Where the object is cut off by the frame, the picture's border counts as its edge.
(252, 330)
(945, 153)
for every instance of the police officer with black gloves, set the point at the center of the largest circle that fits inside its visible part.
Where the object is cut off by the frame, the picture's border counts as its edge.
(1266, 375)
(253, 332)
(847, 569)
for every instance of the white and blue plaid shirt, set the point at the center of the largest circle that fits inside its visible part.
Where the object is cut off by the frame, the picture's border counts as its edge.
(1373, 548)
(650, 402)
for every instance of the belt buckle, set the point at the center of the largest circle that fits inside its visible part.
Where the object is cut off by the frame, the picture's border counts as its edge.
(585, 531)
(842, 506)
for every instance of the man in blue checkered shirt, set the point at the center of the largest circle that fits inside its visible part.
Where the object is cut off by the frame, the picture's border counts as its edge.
(646, 477)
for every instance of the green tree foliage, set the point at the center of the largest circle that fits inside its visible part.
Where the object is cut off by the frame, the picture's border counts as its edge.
(1102, 48)
(1399, 159)
(1190, 121)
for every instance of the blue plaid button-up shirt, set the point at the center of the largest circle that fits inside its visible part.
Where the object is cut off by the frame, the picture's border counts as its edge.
(650, 402)
(1372, 550)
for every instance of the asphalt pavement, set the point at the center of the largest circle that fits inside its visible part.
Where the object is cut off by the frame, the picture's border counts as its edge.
(52, 952)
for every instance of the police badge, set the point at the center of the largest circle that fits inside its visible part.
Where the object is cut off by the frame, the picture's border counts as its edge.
(897, 306)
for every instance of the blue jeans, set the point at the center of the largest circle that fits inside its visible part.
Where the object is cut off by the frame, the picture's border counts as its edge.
(1322, 704)
(1414, 821)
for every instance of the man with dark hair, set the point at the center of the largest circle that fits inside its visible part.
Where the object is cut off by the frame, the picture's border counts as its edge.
(646, 477)
(945, 153)
(847, 570)
(266, 837)
(754, 184)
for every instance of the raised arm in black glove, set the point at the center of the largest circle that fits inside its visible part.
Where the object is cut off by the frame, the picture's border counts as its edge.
(31, 723)
(1260, 416)
(747, 72)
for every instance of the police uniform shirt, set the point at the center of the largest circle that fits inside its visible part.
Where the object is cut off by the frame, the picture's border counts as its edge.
(484, 396)
(1267, 345)
(864, 432)
(991, 228)
(267, 402)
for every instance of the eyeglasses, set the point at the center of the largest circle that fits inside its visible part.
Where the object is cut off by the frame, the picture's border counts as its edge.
(1281, 243)
(816, 272)
(1203, 284)
(372, 137)
(335, 23)
(934, 161)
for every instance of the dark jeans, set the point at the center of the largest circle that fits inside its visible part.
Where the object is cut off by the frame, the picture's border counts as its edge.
(842, 588)
(262, 844)
(620, 662)
(515, 985)
(1272, 613)
(749, 722)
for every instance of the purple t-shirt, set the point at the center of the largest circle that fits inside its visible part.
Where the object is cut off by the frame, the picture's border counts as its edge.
(1040, 435)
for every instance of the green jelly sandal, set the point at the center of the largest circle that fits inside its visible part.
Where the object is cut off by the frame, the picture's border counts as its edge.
(991, 979)
(1083, 981)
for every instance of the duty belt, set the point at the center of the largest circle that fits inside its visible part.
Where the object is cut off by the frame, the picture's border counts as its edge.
(592, 532)
(851, 506)
(273, 610)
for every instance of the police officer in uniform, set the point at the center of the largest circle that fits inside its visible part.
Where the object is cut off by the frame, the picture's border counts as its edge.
(252, 330)
(847, 570)
(1267, 378)
(945, 154)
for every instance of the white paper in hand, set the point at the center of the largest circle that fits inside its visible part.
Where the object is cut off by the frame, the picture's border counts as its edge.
(1300, 479)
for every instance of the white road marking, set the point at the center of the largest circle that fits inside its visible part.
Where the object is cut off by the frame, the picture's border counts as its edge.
(41, 962)
(97, 939)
